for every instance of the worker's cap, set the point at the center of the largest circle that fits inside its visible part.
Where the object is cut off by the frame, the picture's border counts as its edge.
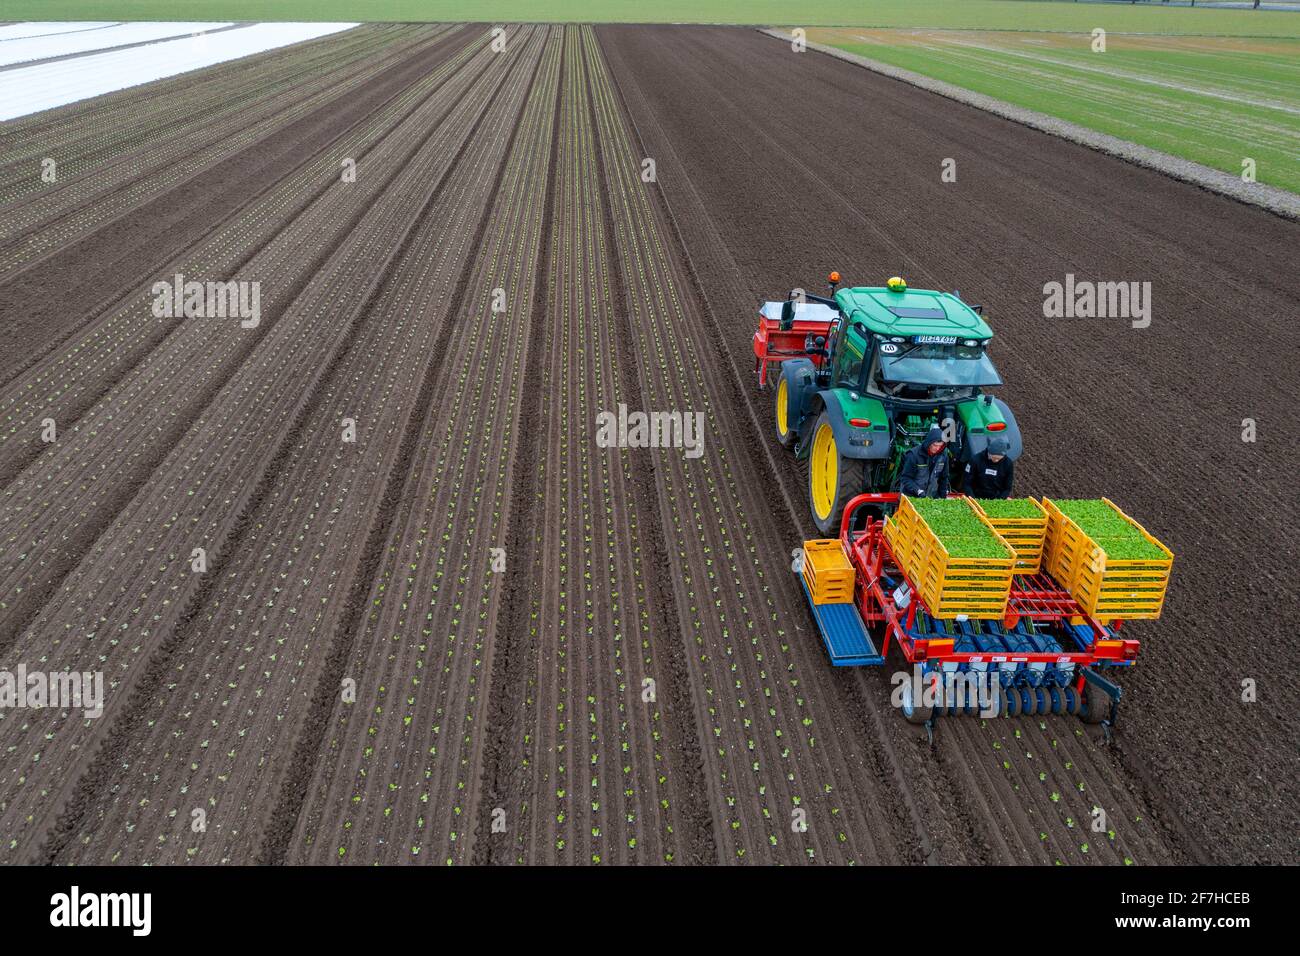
(997, 446)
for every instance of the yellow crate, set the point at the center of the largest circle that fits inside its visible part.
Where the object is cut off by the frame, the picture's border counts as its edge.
(975, 610)
(902, 524)
(1071, 550)
(827, 593)
(827, 571)
(1106, 588)
(1063, 555)
(975, 587)
(825, 561)
(1027, 537)
(946, 598)
(1110, 595)
(1032, 536)
(1029, 562)
(995, 579)
(1029, 556)
(980, 598)
(1065, 544)
(900, 540)
(905, 532)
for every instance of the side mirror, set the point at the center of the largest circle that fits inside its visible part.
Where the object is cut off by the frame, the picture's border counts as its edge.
(787, 315)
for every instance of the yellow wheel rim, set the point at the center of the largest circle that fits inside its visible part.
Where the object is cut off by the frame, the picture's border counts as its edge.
(782, 422)
(824, 468)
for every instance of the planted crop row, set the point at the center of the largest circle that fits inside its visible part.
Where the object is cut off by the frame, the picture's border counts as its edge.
(776, 788)
(139, 574)
(195, 358)
(282, 238)
(398, 773)
(1071, 809)
(597, 781)
(58, 216)
(65, 123)
(251, 670)
(92, 138)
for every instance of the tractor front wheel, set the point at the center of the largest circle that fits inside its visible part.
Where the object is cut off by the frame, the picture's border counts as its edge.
(832, 479)
(786, 432)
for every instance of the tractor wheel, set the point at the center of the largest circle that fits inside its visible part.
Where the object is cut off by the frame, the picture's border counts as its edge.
(1096, 703)
(785, 432)
(832, 479)
(913, 713)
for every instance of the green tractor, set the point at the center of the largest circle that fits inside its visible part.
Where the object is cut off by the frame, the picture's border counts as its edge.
(864, 373)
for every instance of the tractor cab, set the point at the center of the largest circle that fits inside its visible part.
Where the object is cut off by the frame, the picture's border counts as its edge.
(922, 345)
(864, 371)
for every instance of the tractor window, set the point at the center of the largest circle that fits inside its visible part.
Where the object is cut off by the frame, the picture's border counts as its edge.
(913, 371)
(931, 364)
(848, 359)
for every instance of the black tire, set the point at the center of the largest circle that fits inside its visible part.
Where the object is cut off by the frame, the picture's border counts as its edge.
(781, 404)
(1096, 704)
(848, 478)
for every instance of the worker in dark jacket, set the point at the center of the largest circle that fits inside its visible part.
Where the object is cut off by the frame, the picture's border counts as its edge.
(925, 468)
(990, 472)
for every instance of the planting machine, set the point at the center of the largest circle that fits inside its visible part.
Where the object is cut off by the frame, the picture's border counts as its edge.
(862, 375)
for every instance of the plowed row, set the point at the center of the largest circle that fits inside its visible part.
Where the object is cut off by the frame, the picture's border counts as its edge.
(764, 196)
(473, 634)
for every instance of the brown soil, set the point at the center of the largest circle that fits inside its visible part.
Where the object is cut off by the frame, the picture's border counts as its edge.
(356, 679)
(776, 174)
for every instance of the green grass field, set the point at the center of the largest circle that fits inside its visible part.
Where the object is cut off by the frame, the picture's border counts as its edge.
(951, 14)
(1214, 101)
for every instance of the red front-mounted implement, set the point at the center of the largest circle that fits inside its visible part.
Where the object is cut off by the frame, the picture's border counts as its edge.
(796, 328)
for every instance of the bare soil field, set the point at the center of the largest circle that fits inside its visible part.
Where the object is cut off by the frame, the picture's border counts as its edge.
(436, 621)
(1152, 417)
